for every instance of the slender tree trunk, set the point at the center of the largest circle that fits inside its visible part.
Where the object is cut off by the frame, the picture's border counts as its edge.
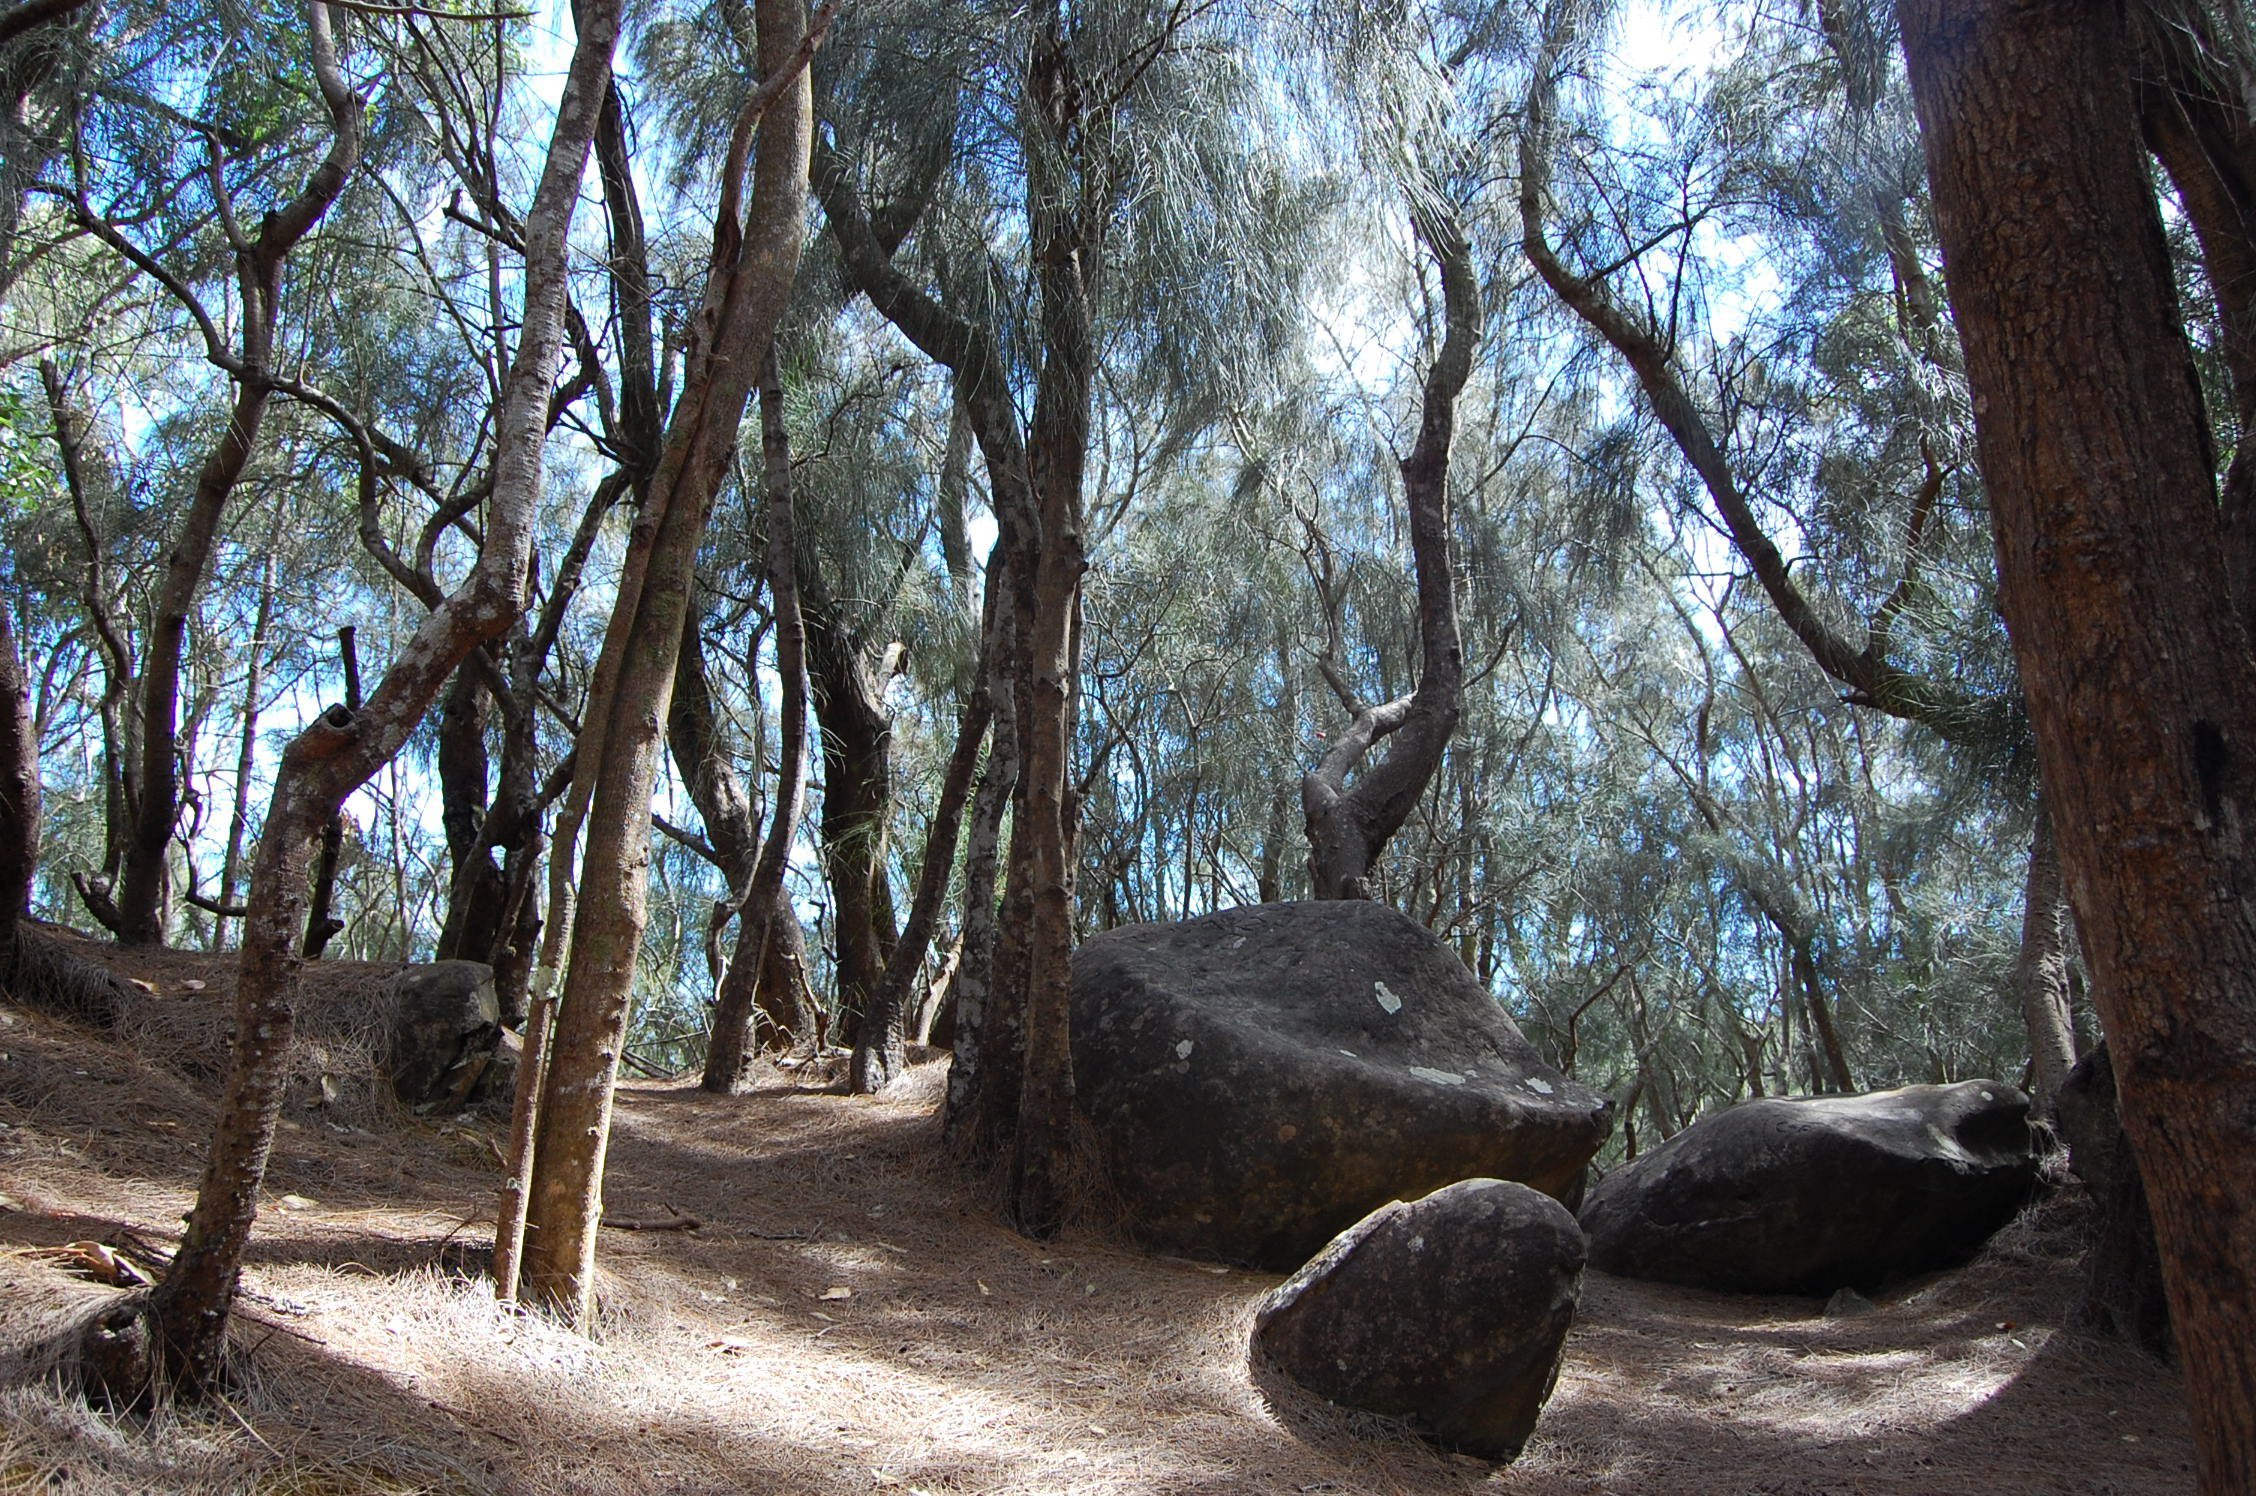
(976, 1033)
(476, 894)
(767, 913)
(143, 897)
(769, 983)
(881, 1052)
(246, 753)
(322, 925)
(2040, 972)
(2142, 695)
(120, 767)
(19, 793)
(1348, 826)
(144, 885)
(754, 260)
(342, 749)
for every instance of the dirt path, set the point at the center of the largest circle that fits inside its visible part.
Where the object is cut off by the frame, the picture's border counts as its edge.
(849, 1318)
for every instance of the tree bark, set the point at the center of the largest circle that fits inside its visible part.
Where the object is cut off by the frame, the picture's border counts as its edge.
(19, 794)
(767, 918)
(755, 257)
(342, 749)
(881, 1052)
(2040, 971)
(857, 807)
(1349, 826)
(2142, 694)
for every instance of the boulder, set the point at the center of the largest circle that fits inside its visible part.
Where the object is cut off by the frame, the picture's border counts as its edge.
(439, 1044)
(1263, 1078)
(1811, 1194)
(1451, 1311)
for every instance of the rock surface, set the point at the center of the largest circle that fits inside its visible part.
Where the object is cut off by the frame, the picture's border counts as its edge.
(1451, 1311)
(1265, 1077)
(444, 1025)
(1817, 1193)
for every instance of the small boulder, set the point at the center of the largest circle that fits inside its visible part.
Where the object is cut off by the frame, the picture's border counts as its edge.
(444, 1025)
(1451, 1311)
(1265, 1077)
(1810, 1194)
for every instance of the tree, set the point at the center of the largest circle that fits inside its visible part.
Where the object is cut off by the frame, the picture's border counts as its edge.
(754, 259)
(143, 892)
(342, 748)
(2112, 548)
(1348, 826)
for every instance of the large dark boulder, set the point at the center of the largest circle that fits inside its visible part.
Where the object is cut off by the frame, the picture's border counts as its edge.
(1816, 1193)
(439, 1045)
(1265, 1077)
(1451, 1311)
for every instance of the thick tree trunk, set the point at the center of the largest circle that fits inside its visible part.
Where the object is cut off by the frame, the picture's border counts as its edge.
(767, 925)
(342, 749)
(2040, 972)
(1350, 825)
(754, 260)
(2136, 665)
(857, 808)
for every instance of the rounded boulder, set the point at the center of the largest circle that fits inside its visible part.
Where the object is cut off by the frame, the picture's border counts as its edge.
(1265, 1077)
(1806, 1195)
(445, 1023)
(1451, 1311)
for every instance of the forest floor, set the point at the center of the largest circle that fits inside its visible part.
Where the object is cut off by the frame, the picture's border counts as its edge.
(849, 1316)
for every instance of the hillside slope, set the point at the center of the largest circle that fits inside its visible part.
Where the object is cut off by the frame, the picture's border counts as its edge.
(849, 1317)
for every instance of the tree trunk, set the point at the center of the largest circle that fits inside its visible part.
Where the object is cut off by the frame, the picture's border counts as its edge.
(966, 1119)
(765, 986)
(857, 756)
(755, 257)
(476, 893)
(342, 749)
(1067, 252)
(2142, 695)
(19, 794)
(246, 753)
(2040, 972)
(144, 886)
(881, 1052)
(1349, 826)
(758, 968)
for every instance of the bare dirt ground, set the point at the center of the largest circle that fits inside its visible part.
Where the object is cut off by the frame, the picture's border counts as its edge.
(850, 1317)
